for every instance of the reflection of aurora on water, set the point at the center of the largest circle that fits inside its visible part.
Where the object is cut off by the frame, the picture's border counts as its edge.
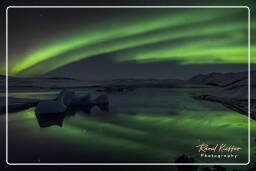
(189, 36)
(131, 132)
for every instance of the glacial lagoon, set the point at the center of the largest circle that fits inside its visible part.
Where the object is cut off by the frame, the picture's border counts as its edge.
(146, 125)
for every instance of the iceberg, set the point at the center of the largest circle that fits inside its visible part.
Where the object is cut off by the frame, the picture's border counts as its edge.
(68, 99)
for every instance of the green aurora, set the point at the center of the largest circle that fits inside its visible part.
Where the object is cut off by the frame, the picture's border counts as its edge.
(188, 36)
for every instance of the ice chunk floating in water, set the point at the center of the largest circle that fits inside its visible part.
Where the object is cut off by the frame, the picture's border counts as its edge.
(54, 106)
(66, 99)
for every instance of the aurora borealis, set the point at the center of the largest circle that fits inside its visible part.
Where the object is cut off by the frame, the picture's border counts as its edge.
(187, 36)
(89, 47)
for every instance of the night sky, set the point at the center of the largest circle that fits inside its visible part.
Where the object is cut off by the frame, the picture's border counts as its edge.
(127, 43)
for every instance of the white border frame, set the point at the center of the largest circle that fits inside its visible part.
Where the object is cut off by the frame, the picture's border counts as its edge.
(249, 81)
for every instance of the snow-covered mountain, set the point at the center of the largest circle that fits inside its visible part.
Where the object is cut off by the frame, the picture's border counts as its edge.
(222, 79)
(234, 85)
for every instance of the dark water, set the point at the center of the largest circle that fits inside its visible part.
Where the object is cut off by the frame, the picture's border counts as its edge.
(142, 126)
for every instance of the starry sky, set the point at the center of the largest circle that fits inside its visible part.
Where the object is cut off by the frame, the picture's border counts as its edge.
(111, 43)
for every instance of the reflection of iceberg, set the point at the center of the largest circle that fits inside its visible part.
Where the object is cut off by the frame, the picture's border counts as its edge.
(47, 120)
(68, 99)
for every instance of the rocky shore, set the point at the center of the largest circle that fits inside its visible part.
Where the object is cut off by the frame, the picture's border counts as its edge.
(233, 92)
